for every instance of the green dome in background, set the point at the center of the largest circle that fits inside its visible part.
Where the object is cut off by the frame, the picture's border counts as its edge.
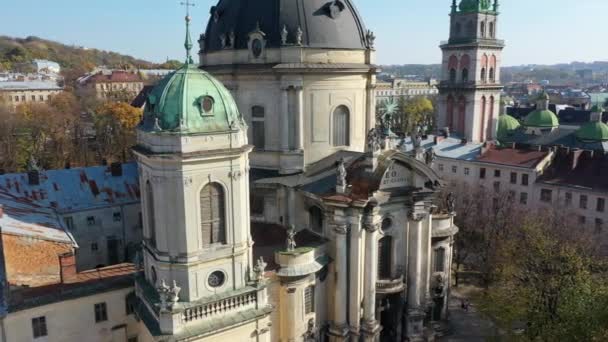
(507, 125)
(543, 118)
(593, 131)
(190, 100)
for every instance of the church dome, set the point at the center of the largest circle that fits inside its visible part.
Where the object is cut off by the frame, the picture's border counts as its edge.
(542, 118)
(507, 125)
(593, 131)
(190, 100)
(323, 24)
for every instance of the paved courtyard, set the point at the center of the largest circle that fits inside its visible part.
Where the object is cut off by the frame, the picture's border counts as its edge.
(466, 326)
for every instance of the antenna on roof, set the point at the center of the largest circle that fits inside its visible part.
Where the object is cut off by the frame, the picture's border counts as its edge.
(188, 43)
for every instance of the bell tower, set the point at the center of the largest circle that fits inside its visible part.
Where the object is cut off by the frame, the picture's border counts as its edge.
(469, 91)
(192, 153)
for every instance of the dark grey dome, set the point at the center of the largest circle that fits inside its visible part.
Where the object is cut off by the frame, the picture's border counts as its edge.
(324, 24)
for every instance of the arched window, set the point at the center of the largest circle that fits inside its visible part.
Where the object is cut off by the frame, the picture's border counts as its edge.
(465, 63)
(450, 113)
(489, 127)
(440, 259)
(384, 257)
(491, 75)
(483, 29)
(483, 75)
(458, 29)
(470, 28)
(453, 75)
(465, 75)
(213, 219)
(150, 214)
(491, 29)
(341, 129)
(258, 127)
(315, 216)
(462, 113)
(483, 119)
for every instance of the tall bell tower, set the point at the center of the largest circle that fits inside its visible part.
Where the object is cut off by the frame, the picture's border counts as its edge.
(192, 153)
(469, 91)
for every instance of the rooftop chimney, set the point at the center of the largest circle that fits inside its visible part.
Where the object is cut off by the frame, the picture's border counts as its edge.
(67, 263)
(116, 169)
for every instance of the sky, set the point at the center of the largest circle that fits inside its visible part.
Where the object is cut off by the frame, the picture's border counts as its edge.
(408, 31)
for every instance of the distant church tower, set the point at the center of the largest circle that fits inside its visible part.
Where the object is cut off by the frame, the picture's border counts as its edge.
(469, 91)
(192, 153)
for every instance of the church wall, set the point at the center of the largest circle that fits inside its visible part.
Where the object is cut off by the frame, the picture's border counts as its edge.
(74, 320)
(284, 55)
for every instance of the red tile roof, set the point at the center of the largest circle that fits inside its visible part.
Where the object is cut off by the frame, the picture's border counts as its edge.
(513, 157)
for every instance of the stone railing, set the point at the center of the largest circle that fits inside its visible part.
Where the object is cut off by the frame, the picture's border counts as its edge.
(390, 285)
(222, 306)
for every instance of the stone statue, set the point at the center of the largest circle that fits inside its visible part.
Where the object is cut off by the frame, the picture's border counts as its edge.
(284, 34)
(223, 40)
(232, 38)
(175, 290)
(310, 334)
(201, 42)
(299, 34)
(416, 141)
(32, 164)
(439, 285)
(341, 173)
(429, 156)
(156, 126)
(259, 268)
(291, 238)
(163, 293)
(451, 203)
(373, 140)
(371, 39)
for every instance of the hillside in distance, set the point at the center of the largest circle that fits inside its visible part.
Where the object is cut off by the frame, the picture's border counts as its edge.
(17, 53)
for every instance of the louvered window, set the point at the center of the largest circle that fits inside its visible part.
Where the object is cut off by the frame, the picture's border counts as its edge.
(341, 129)
(440, 259)
(213, 223)
(150, 213)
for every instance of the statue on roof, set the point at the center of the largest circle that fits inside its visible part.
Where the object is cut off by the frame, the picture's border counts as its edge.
(291, 238)
(429, 156)
(163, 294)
(450, 203)
(371, 38)
(373, 140)
(389, 109)
(174, 292)
(32, 164)
(299, 34)
(259, 269)
(284, 34)
(341, 177)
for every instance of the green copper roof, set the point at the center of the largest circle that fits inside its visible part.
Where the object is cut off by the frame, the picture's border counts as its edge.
(471, 6)
(541, 118)
(543, 96)
(597, 109)
(190, 100)
(593, 131)
(507, 125)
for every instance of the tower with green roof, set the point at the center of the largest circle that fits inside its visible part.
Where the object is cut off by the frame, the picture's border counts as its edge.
(594, 130)
(541, 120)
(193, 158)
(469, 92)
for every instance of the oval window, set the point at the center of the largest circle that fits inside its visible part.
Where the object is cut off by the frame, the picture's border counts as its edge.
(216, 279)
(206, 103)
(256, 48)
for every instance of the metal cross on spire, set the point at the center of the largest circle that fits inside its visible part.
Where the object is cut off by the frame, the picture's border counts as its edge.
(188, 44)
(188, 4)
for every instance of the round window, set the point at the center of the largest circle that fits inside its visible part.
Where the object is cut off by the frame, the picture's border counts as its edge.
(216, 279)
(387, 223)
(256, 48)
(206, 104)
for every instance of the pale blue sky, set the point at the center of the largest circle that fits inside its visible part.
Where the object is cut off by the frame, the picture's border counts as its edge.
(408, 31)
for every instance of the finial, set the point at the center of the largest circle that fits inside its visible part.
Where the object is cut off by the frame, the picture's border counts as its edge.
(188, 43)
(496, 5)
(454, 6)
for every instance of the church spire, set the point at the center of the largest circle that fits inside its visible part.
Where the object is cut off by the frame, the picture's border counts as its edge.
(188, 43)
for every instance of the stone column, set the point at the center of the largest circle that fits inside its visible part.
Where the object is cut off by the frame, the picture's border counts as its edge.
(415, 273)
(299, 119)
(370, 110)
(370, 326)
(284, 119)
(291, 310)
(291, 206)
(357, 271)
(339, 329)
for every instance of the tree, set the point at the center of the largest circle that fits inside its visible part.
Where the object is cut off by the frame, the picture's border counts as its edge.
(115, 124)
(414, 112)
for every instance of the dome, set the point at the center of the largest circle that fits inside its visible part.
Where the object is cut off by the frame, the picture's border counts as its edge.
(474, 5)
(593, 131)
(542, 118)
(507, 125)
(324, 24)
(190, 100)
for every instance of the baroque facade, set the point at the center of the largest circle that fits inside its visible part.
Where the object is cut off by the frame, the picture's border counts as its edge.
(330, 232)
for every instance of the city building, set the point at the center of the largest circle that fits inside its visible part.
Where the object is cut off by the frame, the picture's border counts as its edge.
(44, 66)
(398, 88)
(14, 93)
(112, 84)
